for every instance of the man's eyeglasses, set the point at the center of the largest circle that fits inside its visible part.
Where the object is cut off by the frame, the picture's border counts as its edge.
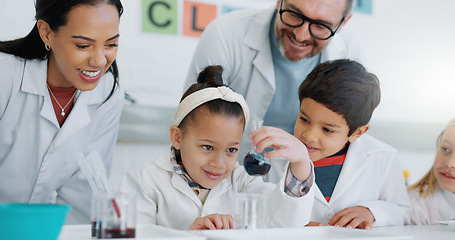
(317, 29)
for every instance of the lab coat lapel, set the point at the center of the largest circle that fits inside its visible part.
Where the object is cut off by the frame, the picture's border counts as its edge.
(318, 195)
(177, 181)
(257, 38)
(34, 82)
(79, 117)
(354, 164)
(180, 184)
(47, 111)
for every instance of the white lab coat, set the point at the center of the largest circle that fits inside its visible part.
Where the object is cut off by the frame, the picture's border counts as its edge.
(37, 157)
(372, 177)
(439, 206)
(165, 199)
(239, 42)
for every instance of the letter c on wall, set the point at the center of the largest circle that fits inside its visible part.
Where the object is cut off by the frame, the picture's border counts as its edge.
(154, 22)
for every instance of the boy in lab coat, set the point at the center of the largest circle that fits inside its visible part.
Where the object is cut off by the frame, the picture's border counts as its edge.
(359, 181)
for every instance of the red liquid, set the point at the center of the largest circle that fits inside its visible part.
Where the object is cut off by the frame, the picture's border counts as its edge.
(117, 233)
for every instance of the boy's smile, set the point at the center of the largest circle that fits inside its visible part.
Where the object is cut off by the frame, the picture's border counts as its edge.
(311, 149)
(323, 131)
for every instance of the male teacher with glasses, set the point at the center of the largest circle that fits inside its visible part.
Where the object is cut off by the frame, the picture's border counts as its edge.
(267, 53)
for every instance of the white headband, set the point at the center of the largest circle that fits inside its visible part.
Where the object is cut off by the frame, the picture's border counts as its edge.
(202, 96)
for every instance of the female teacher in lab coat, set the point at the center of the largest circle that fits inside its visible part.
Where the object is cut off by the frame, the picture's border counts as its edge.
(59, 95)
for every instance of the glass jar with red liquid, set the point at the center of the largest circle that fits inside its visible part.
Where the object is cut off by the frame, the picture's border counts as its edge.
(119, 216)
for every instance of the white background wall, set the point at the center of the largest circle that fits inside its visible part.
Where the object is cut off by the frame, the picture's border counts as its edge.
(408, 44)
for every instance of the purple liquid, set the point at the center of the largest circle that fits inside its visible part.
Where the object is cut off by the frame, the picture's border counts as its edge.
(255, 164)
(117, 233)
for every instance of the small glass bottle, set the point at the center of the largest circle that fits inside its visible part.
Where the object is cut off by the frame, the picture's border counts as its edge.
(255, 163)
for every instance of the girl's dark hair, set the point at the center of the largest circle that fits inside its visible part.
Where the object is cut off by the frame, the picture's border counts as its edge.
(211, 77)
(345, 87)
(55, 13)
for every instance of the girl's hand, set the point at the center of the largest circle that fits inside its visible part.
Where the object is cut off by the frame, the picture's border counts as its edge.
(353, 217)
(212, 222)
(285, 146)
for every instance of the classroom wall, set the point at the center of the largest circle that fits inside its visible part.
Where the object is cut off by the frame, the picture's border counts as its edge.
(408, 44)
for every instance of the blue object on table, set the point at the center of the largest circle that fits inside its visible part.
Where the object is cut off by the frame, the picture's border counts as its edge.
(36, 221)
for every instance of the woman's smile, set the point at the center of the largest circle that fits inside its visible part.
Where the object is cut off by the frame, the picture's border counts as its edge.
(89, 76)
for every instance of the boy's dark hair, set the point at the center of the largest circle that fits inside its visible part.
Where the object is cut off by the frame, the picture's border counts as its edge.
(211, 77)
(345, 87)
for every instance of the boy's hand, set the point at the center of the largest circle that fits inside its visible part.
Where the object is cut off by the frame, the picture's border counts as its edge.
(314, 224)
(285, 146)
(212, 222)
(353, 217)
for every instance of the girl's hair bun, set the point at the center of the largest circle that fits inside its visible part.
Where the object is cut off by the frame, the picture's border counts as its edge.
(211, 76)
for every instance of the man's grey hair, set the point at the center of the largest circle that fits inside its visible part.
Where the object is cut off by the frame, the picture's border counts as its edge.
(349, 7)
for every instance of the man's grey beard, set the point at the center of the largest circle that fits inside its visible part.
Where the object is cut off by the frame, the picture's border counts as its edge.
(281, 48)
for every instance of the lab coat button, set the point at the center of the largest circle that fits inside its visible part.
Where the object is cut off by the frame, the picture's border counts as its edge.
(329, 214)
(304, 190)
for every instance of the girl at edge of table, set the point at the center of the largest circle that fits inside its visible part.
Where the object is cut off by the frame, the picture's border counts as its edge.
(433, 196)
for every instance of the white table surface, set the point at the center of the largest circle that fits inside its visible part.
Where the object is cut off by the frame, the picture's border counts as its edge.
(422, 232)
(428, 232)
(143, 231)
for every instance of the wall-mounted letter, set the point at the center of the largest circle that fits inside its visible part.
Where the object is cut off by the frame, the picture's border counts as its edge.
(196, 16)
(160, 16)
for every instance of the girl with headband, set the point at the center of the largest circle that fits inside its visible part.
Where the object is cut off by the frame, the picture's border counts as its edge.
(193, 185)
(433, 197)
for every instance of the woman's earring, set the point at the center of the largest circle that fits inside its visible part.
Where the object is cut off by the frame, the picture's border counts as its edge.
(47, 47)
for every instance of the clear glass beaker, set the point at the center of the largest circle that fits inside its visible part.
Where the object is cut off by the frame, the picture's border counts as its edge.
(249, 210)
(255, 163)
